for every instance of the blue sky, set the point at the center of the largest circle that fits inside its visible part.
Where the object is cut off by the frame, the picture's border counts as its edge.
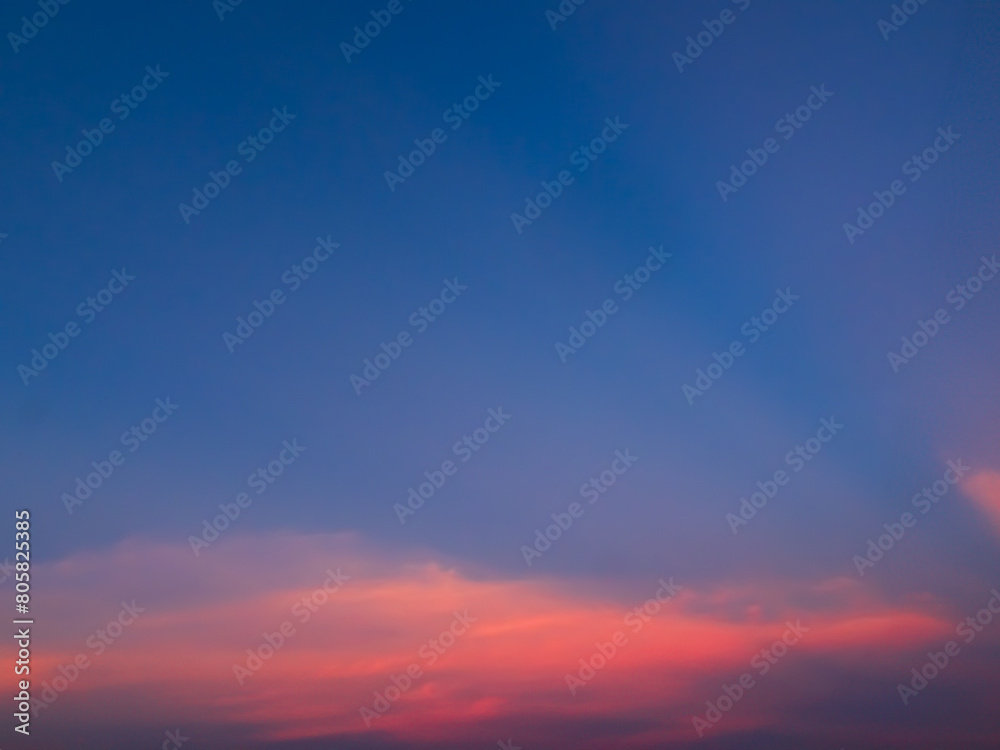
(323, 176)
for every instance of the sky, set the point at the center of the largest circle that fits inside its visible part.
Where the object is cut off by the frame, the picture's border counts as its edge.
(478, 345)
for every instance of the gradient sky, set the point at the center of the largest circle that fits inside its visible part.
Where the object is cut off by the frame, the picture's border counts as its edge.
(494, 347)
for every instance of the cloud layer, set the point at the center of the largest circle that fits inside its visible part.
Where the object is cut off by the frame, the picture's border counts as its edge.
(287, 638)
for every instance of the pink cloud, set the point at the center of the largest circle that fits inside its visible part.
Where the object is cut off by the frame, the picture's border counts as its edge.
(984, 490)
(508, 668)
